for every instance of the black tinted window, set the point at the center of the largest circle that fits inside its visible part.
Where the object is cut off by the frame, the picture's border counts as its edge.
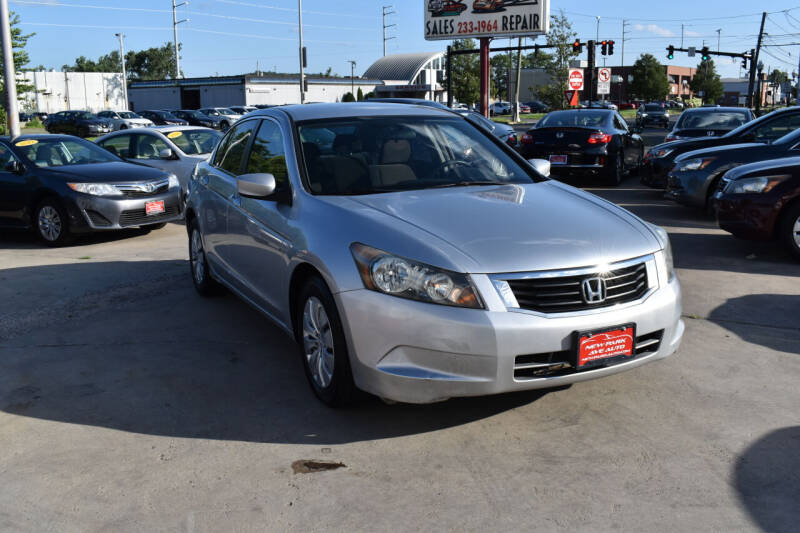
(231, 153)
(267, 154)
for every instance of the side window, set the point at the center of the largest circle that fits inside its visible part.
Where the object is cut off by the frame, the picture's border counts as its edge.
(267, 154)
(149, 147)
(619, 123)
(5, 157)
(231, 151)
(775, 129)
(119, 145)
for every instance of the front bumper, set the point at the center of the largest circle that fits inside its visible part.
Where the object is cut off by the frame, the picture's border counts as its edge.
(98, 213)
(688, 187)
(420, 353)
(747, 216)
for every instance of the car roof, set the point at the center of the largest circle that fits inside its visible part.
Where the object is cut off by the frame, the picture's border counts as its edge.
(717, 109)
(352, 110)
(168, 129)
(39, 137)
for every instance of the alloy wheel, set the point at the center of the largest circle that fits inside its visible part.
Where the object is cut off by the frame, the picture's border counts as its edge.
(49, 222)
(318, 342)
(197, 258)
(796, 232)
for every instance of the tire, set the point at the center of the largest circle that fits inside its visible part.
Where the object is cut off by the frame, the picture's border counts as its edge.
(51, 223)
(123, 127)
(224, 126)
(790, 229)
(322, 344)
(83, 133)
(615, 170)
(204, 284)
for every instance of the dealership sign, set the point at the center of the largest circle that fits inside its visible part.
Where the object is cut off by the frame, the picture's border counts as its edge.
(460, 19)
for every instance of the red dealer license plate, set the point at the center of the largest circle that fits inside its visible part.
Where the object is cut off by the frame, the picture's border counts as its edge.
(558, 160)
(154, 208)
(601, 347)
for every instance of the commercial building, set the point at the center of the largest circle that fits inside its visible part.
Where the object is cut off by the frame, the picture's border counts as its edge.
(61, 91)
(271, 89)
(420, 75)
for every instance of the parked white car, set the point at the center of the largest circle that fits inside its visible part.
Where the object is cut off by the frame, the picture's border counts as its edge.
(123, 120)
(500, 108)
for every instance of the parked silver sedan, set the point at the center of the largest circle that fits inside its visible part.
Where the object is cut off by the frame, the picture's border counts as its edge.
(413, 255)
(123, 120)
(175, 149)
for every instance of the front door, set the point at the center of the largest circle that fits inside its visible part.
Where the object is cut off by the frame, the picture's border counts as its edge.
(14, 191)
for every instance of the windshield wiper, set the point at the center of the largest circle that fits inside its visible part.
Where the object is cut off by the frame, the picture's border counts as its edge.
(467, 183)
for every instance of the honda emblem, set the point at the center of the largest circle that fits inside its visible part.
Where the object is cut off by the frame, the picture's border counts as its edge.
(593, 290)
(559, 135)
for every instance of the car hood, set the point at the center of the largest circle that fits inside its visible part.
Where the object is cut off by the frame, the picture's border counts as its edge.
(518, 228)
(686, 145)
(112, 172)
(717, 151)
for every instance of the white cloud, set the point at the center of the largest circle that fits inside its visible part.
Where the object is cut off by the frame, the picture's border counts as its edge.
(653, 28)
(690, 33)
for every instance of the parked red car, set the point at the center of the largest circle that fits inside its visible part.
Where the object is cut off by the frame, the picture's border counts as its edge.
(626, 105)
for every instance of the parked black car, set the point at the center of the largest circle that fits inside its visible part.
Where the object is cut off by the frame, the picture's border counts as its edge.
(196, 118)
(80, 123)
(537, 106)
(163, 118)
(761, 201)
(660, 159)
(709, 122)
(585, 141)
(416, 101)
(655, 114)
(694, 178)
(504, 132)
(59, 186)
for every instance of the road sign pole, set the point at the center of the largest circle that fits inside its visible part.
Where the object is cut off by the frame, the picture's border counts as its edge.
(485, 76)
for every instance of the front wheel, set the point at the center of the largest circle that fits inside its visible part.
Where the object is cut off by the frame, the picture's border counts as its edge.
(790, 229)
(52, 224)
(323, 348)
(198, 264)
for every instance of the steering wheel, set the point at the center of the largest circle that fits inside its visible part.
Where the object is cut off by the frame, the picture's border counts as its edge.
(452, 163)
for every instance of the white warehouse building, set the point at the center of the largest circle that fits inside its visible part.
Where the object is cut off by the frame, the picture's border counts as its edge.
(61, 91)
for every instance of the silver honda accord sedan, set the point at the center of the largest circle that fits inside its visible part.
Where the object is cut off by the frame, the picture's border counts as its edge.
(416, 257)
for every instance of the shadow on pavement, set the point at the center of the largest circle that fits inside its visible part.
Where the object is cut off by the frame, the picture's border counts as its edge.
(770, 320)
(723, 252)
(767, 478)
(155, 358)
(27, 240)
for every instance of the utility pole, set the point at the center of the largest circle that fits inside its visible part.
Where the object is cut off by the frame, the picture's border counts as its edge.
(515, 114)
(624, 81)
(175, 23)
(124, 72)
(302, 51)
(754, 63)
(9, 71)
(682, 36)
(386, 12)
(719, 34)
(352, 82)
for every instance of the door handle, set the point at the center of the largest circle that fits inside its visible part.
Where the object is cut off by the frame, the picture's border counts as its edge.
(204, 180)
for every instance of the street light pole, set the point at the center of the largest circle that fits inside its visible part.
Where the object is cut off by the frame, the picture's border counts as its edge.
(124, 72)
(175, 23)
(9, 71)
(300, 31)
(719, 33)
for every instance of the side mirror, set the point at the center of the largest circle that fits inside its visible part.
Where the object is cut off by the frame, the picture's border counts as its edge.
(166, 153)
(542, 166)
(256, 185)
(15, 167)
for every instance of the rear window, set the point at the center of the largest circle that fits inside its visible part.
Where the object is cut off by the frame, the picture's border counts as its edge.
(712, 120)
(575, 119)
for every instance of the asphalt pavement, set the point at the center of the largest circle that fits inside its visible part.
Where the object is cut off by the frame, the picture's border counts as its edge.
(129, 403)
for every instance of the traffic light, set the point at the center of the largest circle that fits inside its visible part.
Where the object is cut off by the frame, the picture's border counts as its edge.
(670, 52)
(577, 47)
(744, 63)
(604, 48)
(705, 55)
(611, 48)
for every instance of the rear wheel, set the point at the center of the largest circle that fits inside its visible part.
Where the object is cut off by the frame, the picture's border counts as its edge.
(51, 222)
(123, 127)
(615, 168)
(323, 348)
(790, 229)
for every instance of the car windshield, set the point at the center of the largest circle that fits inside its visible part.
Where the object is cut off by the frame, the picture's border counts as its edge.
(85, 115)
(194, 142)
(163, 114)
(195, 114)
(574, 119)
(712, 120)
(653, 108)
(387, 154)
(225, 111)
(128, 114)
(62, 152)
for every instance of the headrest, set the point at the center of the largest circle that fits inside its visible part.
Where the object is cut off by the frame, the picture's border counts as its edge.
(396, 151)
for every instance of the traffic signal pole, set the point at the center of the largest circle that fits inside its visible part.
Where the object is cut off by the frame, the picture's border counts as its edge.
(589, 77)
(755, 65)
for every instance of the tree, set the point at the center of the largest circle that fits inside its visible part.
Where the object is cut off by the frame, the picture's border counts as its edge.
(348, 97)
(466, 71)
(18, 42)
(360, 95)
(155, 63)
(707, 80)
(778, 76)
(650, 80)
(557, 66)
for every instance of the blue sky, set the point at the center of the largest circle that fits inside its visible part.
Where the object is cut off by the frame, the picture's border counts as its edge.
(230, 36)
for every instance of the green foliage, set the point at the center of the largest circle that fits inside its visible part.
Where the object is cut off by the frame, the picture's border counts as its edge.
(34, 123)
(557, 64)
(155, 63)
(348, 97)
(650, 80)
(360, 95)
(466, 73)
(369, 95)
(778, 76)
(707, 80)
(18, 42)
(3, 122)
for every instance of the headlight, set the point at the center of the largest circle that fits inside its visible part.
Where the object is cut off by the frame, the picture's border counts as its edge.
(390, 274)
(95, 189)
(661, 152)
(698, 163)
(761, 184)
(666, 248)
(173, 181)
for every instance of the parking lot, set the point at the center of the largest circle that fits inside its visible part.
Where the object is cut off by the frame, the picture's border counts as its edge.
(129, 403)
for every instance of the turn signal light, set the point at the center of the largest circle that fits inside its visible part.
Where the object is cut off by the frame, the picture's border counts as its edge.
(526, 139)
(600, 138)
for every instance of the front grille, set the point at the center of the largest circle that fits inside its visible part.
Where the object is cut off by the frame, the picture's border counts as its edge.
(563, 294)
(97, 219)
(139, 190)
(552, 364)
(138, 217)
